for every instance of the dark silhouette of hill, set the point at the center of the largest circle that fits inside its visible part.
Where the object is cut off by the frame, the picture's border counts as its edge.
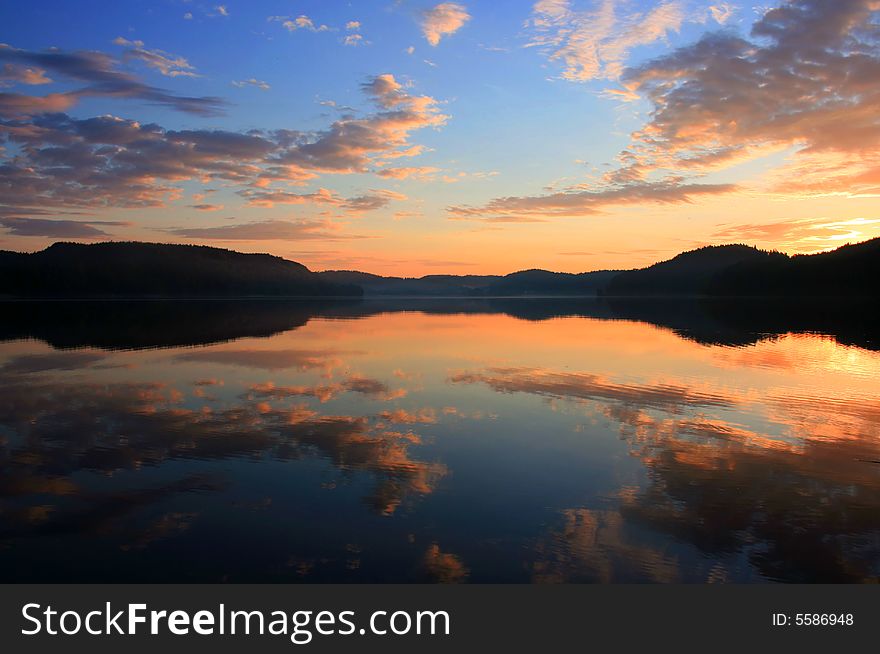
(144, 270)
(850, 270)
(543, 282)
(740, 270)
(689, 273)
(430, 285)
(157, 270)
(524, 282)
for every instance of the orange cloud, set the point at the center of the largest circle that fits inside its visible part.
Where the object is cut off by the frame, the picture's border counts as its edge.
(414, 172)
(443, 20)
(402, 416)
(107, 161)
(168, 64)
(14, 74)
(808, 234)
(350, 144)
(805, 80)
(16, 105)
(595, 44)
(268, 230)
(443, 567)
(584, 203)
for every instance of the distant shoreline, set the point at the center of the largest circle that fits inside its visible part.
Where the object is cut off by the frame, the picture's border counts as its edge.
(157, 271)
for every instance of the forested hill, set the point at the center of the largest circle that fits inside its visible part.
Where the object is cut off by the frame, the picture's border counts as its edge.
(740, 270)
(133, 270)
(522, 283)
(157, 270)
(850, 270)
(689, 273)
(432, 285)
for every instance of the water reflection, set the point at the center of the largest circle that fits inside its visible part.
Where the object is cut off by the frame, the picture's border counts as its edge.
(68, 427)
(799, 499)
(434, 442)
(165, 323)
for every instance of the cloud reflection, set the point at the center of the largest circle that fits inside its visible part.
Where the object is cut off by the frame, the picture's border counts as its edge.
(800, 500)
(62, 430)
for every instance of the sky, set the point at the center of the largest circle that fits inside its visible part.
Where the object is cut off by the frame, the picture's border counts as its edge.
(411, 137)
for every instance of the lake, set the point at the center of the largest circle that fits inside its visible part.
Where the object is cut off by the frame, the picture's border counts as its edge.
(446, 440)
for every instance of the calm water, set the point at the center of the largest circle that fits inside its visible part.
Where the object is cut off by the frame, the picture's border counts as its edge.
(499, 441)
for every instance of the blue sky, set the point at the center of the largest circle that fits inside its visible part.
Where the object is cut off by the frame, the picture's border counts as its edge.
(524, 141)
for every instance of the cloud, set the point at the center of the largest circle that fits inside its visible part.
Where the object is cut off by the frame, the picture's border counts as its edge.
(372, 388)
(321, 392)
(53, 361)
(582, 386)
(106, 161)
(722, 12)
(260, 84)
(353, 25)
(13, 74)
(168, 64)
(443, 20)
(56, 228)
(96, 71)
(267, 230)
(827, 173)
(426, 415)
(807, 78)
(159, 429)
(385, 89)
(375, 199)
(584, 203)
(221, 10)
(596, 44)
(443, 567)
(354, 40)
(299, 23)
(350, 144)
(206, 207)
(14, 105)
(408, 172)
(803, 235)
(269, 198)
(596, 546)
(461, 175)
(804, 81)
(68, 164)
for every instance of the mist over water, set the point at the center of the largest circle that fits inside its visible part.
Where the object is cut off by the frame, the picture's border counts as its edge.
(439, 440)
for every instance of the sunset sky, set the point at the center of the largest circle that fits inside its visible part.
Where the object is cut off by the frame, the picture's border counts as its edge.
(410, 137)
